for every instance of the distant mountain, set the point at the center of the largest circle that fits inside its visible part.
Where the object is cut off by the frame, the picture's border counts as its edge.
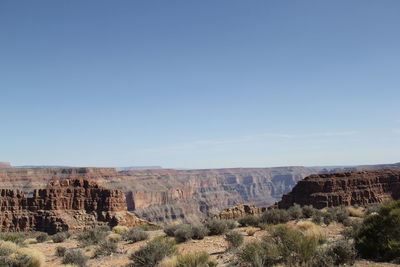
(132, 168)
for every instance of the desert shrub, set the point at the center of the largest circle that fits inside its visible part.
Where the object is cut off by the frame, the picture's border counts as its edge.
(317, 218)
(275, 216)
(341, 214)
(29, 241)
(183, 233)
(295, 212)
(308, 211)
(106, 248)
(373, 208)
(231, 224)
(60, 237)
(216, 226)
(251, 231)
(60, 251)
(27, 257)
(356, 212)
(75, 257)
(169, 230)
(234, 239)
(153, 253)
(103, 228)
(199, 231)
(17, 238)
(92, 237)
(249, 220)
(198, 259)
(379, 235)
(113, 237)
(120, 229)
(135, 235)
(342, 252)
(322, 259)
(42, 237)
(259, 254)
(328, 218)
(312, 230)
(7, 247)
(147, 227)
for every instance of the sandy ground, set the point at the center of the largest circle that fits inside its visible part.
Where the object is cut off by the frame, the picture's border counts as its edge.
(216, 246)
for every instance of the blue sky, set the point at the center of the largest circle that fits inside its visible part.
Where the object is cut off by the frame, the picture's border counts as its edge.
(199, 84)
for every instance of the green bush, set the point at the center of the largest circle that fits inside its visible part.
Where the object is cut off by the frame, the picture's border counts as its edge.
(379, 235)
(295, 212)
(169, 230)
(146, 227)
(249, 220)
(17, 238)
(60, 237)
(199, 231)
(75, 257)
(343, 252)
(231, 224)
(42, 237)
(60, 251)
(275, 216)
(216, 226)
(106, 248)
(94, 236)
(201, 259)
(328, 218)
(135, 235)
(342, 215)
(154, 252)
(259, 254)
(234, 239)
(308, 211)
(183, 233)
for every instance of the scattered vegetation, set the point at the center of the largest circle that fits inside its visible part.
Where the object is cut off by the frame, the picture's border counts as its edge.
(114, 237)
(201, 259)
(146, 227)
(42, 237)
(135, 235)
(199, 231)
(93, 237)
(295, 212)
(153, 253)
(183, 233)
(75, 257)
(251, 231)
(249, 220)
(312, 230)
(60, 237)
(60, 251)
(119, 229)
(216, 226)
(234, 239)
(275, 216)
(169, 230)
(356, 211)
(106, 248)
(11, 255)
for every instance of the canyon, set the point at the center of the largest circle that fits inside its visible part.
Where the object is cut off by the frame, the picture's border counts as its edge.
(344, 188)
(64, 205)
(165, 195)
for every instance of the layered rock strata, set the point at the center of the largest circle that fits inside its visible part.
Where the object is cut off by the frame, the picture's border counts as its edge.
(240, 211)
(65, 205)
(345, 188)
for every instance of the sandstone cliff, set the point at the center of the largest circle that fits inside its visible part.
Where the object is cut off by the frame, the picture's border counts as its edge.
(74, 204)
(166, 195)
(346, 188)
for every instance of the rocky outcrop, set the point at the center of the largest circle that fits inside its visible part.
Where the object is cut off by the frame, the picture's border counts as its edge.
(5, 165)
(345, 188)
(240, 211)
(74, 204)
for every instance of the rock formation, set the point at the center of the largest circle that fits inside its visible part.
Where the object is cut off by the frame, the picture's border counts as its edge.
(240, 211)
(5, 165)
(166, 195)
(74, 204)
(345, 188)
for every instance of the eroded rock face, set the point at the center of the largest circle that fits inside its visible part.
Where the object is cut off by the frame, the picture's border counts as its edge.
(74, 204)
(240, 211)
(345, 188)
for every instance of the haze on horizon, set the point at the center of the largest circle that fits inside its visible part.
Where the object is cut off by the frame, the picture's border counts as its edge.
(199, 84)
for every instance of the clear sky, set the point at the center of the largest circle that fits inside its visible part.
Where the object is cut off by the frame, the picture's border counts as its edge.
(199, 84)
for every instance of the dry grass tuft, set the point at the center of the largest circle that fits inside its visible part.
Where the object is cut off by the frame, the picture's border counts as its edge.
(114, 237)
(119, 229)
(27, 257)
(251, 231)
(356, 212)
(312, 230)
(30, 241)
(169, 262)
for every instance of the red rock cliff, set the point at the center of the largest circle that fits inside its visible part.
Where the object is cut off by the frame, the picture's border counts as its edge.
(346, 188)
(74, 204)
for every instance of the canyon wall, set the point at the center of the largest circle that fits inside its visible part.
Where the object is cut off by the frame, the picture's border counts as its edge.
(164, 195)
(65, 205)
(345, 188)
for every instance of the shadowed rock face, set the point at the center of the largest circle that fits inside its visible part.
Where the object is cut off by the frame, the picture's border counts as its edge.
(240, 211)
(74, 204)
(346, 188)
